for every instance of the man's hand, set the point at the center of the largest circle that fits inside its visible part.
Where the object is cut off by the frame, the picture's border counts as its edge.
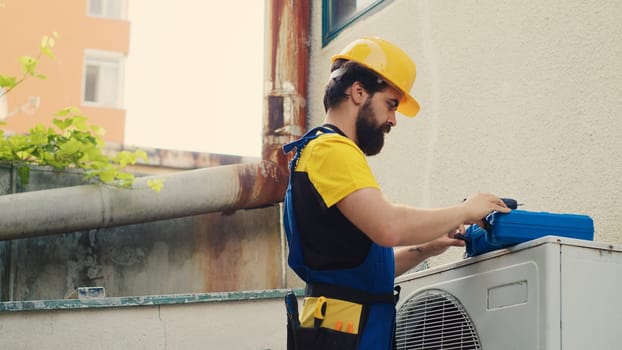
(479, 205)
(408, 257)
(440, 245)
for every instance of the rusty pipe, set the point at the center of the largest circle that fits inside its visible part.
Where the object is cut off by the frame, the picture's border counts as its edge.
(192, 192)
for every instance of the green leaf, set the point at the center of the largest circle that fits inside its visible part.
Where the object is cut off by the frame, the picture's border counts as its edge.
(124, 176)
(47, 41)
(93, 154)
(155, 184)
(67, 111)
(107, 175)
(7, 81)
(79, 122)
(39, 135)
(97, 130)
(124, 158)
(62, 123)
(44, 41)
(58, 165)
(140, 154)
(72, 146)
(17, 141)
(23, 172)
(48, 52)
(29, 64)
(91, 140)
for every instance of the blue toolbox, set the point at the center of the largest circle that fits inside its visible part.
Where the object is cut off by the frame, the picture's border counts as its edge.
(502, 230)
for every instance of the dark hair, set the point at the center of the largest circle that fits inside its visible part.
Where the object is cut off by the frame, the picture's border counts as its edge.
(343, 74)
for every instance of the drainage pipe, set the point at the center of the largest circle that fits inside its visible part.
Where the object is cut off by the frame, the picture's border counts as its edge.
(185, 193)
(286, 75)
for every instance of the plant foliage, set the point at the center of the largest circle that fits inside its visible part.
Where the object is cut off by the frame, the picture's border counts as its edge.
(72, 144)
(29, 65)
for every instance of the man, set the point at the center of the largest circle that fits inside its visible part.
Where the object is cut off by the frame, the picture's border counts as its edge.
(341, 229)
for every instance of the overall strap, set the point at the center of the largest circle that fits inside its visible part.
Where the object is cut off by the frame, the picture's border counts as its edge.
(302, 142)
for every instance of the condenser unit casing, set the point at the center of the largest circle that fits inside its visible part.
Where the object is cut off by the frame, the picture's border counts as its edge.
(549, 293)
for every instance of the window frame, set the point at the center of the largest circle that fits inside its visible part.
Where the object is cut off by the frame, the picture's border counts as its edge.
(331, 31)
(122, 15)
(102, 58)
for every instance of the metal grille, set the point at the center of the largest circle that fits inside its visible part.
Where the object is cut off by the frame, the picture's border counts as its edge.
(435, 320)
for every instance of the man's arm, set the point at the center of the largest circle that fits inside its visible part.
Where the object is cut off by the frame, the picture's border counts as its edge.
(408, 257)
(393, 225)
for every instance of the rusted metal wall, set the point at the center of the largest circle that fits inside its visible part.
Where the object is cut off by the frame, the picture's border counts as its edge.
(213, 252)
(205, 253)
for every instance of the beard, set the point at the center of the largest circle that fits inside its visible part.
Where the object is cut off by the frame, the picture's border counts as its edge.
(369, 134)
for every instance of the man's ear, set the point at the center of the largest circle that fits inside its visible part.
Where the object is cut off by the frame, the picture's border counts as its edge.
(358, 93)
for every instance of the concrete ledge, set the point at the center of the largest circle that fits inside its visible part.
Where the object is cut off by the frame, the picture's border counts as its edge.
(147, 300)
(248, 320)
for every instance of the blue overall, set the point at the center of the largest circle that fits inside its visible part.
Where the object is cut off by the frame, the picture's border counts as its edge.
(375, 275)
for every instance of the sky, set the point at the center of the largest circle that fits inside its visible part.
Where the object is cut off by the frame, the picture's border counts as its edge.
(194, 76)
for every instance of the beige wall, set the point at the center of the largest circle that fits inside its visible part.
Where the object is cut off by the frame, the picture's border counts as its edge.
(231, 325)
(22, 24)
(519, 98)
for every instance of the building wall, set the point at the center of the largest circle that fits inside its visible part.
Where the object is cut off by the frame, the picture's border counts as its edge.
(254, 322)
(518, 98)
(22, 24)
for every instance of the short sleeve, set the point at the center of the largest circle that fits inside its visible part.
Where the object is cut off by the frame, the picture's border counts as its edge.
(336, 167)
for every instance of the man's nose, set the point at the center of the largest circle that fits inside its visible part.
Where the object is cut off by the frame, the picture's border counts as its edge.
(392, 119)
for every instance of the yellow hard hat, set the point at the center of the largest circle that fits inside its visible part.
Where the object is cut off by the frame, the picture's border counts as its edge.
(388, 61)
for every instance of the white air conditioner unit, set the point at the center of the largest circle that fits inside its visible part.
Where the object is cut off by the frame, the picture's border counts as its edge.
(549, 293)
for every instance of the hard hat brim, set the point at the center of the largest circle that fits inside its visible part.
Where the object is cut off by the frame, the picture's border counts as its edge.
(408, 106)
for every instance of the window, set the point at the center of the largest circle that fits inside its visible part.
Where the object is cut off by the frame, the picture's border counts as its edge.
(338, 14)
(107, 8)
(103, 79)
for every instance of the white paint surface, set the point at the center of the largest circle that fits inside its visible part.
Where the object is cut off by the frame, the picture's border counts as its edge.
(518, 98)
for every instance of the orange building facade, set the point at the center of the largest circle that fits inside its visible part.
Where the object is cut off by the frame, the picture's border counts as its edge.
(88, 72)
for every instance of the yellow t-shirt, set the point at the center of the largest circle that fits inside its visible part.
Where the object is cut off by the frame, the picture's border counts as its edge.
(336, 167)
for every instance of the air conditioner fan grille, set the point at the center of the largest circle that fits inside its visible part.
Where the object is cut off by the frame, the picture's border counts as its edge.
(435, 320)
